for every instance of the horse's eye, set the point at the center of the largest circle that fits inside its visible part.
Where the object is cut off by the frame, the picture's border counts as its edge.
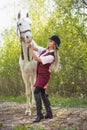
(20, 24)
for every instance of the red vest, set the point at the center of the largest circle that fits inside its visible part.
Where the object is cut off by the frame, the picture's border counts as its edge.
(43, 72)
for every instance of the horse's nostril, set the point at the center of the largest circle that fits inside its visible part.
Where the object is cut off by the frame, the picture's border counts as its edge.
(26, 36)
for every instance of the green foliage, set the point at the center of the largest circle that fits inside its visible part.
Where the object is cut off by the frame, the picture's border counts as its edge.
(40, 127)
(20, 128)
(56, 100)
(65, 18)
(19, 99)
(68, 102)
(10, 76)
(10, 52)
(37, 127)
(1, 124)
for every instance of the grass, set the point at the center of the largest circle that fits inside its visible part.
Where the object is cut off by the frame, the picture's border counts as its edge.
(40, 127)
(55, 101)
(19, 99)
(20, 128)
(69, 102)
(1, 124)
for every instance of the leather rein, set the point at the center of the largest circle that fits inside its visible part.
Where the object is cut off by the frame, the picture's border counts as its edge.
(22, 54)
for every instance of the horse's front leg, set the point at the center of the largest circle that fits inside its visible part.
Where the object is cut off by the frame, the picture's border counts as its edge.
(28, 96)
(32, 91)
(26, 79)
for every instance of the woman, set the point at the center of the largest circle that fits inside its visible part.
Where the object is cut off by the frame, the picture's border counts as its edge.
(47, 56)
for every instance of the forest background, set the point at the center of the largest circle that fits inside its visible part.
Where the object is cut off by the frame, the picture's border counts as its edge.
(68, 19)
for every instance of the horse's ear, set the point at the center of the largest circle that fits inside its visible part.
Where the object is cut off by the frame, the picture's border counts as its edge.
(19, 15)
(27, 15)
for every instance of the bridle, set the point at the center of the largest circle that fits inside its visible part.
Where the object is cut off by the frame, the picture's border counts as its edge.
(22, 54)
(18, 28)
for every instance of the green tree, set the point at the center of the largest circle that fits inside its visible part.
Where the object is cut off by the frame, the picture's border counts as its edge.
(10, 77)
(66, 18)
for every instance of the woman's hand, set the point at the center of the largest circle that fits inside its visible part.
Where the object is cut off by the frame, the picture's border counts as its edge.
(31, 48)
(33, 54)
(22, 39)
(29, 45)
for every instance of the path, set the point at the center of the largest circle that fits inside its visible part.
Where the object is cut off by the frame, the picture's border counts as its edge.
(12, 114)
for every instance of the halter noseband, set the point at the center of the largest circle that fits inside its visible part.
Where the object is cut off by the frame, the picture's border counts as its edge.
(18, 28)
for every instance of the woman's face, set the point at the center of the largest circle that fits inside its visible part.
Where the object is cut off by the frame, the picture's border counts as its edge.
(51, 44)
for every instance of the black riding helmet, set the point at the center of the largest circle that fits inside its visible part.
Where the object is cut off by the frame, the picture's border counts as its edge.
(56, 39)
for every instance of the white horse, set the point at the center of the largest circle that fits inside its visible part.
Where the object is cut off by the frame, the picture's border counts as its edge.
(26, 61)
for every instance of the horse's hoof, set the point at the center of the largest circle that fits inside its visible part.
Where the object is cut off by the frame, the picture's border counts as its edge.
(27, 113)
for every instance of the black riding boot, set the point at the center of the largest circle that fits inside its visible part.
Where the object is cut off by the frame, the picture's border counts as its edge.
(38, 107)
(47, 106)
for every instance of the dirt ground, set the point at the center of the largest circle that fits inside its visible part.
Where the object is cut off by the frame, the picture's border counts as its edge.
(12, 114)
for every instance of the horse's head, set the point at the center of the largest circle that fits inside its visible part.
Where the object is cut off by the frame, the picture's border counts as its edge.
(24, 27)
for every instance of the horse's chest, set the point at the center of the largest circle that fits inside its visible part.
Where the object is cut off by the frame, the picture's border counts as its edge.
(27, 67)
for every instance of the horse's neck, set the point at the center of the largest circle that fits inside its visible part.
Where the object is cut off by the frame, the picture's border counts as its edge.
(25, 50)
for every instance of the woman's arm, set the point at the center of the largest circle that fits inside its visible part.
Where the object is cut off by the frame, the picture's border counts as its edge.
(35, 48)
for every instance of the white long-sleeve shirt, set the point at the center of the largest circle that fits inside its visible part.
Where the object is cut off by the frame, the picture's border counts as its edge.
(45, 59)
